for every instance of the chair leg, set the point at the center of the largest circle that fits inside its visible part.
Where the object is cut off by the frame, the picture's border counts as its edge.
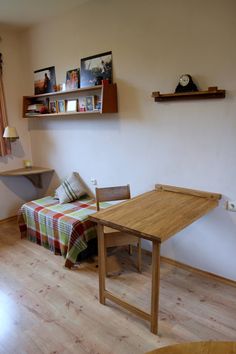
(139, 262)
(106, 267)
(130, 250)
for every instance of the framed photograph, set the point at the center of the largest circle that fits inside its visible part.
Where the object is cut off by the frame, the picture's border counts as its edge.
(96, 68)
(72, 79)
(89, 103)
(44, 80)
(71, 105)
(97, 103)
(53, 107)
(61, 106)
(82, 104)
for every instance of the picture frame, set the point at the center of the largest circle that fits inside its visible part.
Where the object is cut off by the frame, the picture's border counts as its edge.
(82, 104)
(89, 103)
(53, 107)
(97, 102)
(71, 105)
(96, 68)
(61, 106)
(73, 79)
(44, 80)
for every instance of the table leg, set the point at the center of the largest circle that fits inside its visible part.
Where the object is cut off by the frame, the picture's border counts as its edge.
(101, 263)
(155, 286)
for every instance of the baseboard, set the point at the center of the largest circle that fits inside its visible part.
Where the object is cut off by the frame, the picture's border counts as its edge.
(198, 271)
(11, 218)
(194, 270)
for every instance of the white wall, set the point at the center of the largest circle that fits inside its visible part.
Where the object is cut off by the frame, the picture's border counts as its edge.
(190, 144)
(14, 191)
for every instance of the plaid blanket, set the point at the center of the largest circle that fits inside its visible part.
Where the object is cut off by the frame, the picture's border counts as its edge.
(62, 228)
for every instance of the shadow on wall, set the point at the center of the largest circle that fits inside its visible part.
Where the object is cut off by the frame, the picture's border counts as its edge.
(23, 187)
(16, 151)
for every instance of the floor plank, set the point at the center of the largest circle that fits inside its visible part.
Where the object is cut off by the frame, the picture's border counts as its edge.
(45, 308)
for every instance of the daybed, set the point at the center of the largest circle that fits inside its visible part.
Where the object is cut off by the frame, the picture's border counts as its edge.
(62, 228)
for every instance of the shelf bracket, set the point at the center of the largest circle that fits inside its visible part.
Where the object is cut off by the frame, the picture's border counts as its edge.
(35, 179)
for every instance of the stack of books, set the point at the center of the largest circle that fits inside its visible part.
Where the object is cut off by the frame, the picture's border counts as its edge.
(34, 109)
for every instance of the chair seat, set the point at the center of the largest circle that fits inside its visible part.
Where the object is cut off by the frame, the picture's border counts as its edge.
(115, 238)
(109, 230)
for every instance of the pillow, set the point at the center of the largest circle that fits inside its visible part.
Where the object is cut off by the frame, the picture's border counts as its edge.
(70, 190)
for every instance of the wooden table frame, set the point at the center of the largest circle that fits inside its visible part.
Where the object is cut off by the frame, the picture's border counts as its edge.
(169, 204)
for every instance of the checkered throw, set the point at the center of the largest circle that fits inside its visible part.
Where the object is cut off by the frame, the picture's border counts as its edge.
(62, 228)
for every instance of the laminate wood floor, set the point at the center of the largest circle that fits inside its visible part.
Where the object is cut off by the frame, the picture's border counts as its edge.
(45, 308)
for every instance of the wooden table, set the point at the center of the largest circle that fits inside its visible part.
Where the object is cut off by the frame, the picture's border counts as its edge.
(32, 173)
(155, 216)
(198, 348)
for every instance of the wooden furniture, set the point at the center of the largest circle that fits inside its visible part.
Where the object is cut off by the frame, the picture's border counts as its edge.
(112, 237)
(212, 92)
(34, 174)
(155, 216)
(198, 348)
(107, 94)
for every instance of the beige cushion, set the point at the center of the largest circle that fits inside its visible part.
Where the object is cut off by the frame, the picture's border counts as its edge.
(70, 190)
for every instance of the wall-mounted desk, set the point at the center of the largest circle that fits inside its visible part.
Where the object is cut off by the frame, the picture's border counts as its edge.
(155, 216)
(34, 174)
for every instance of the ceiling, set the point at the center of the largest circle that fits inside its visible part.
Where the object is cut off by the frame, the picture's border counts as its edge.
(25, 13)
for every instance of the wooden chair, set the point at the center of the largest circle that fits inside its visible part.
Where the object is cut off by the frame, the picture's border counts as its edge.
(115, 238)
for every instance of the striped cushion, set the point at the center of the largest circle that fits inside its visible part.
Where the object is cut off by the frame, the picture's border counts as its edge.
(70, 190)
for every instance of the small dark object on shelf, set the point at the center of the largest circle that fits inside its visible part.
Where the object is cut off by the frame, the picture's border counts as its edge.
(186, 84)
(43, 110)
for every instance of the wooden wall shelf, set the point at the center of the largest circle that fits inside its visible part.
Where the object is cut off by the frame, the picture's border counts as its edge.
(33, 173)
(107, 94)
(212, 92)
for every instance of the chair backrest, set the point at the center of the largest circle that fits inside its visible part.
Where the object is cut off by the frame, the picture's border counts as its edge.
(112, 193)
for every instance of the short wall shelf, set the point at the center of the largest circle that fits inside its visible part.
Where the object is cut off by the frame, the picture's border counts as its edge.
(212, 92)
(106, 93)
(32, 173)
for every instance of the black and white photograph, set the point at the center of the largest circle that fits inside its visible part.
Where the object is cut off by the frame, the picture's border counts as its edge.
(89, 103)
(96, 68)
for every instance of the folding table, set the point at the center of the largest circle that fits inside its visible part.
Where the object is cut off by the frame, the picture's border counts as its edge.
(156, 216)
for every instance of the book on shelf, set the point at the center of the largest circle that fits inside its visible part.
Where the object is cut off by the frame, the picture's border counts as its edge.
(31, 114)
(35, 107)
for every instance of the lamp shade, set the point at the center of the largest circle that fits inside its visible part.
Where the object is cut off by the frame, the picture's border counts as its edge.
(10, 133)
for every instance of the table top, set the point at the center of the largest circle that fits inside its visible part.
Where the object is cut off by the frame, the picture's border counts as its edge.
(158, 214)
(198, 348)
(26, 171)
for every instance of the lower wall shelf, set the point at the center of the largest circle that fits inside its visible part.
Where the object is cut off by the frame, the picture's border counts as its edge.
(33, 173)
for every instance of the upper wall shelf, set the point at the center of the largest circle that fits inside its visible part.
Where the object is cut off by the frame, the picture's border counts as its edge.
(107, 95)
(212, 92)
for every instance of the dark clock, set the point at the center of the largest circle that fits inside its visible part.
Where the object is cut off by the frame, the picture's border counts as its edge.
(186, 84)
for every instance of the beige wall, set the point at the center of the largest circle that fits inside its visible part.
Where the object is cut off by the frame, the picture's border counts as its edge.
(14, 191)
(189, 144)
